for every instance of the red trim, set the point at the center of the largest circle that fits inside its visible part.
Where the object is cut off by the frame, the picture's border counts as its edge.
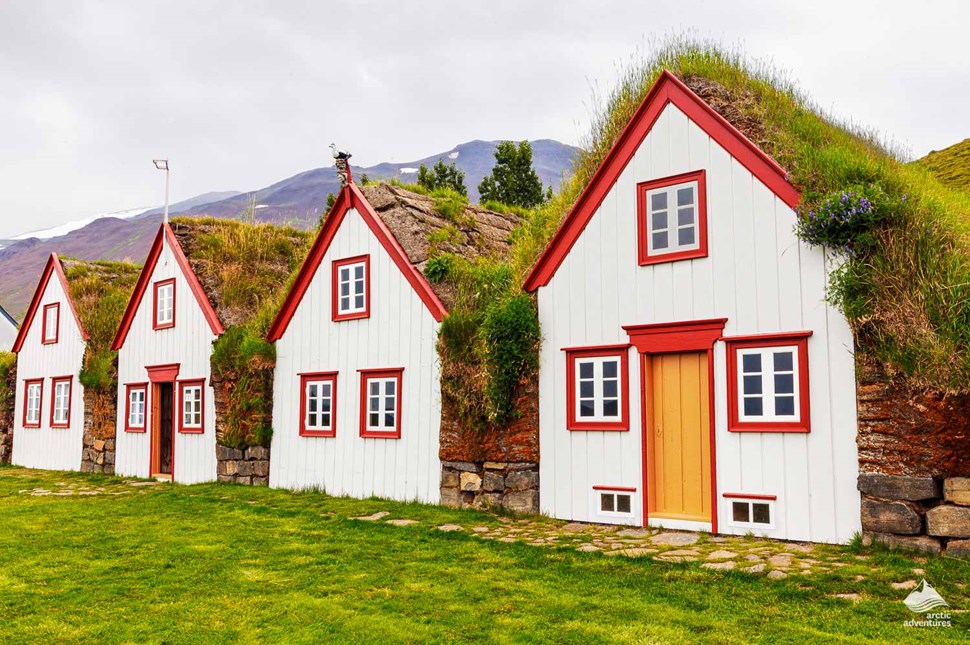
(619, 351)
(671, 338)
(40, 401)
(165, 234)
(129, 388)
(70, 392)
(334, 286)
(643, 228)
(365, 376)
(667, 89)
(621, 489)
(163, 373)
(53, 267)
(800, 340)
(180, 408)
(351, 197)
(769, 498)
(155, 287)
(318, 376)
(57, 324)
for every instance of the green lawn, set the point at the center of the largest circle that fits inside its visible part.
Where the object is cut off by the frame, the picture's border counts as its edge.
(218, 563)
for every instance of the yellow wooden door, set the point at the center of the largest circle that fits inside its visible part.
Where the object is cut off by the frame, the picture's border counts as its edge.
(678, 437)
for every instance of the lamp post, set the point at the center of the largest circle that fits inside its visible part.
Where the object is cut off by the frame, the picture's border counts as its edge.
(162, 164)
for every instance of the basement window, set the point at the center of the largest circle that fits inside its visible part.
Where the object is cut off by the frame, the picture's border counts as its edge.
(351, 288)
(613, 502)
(754, 514)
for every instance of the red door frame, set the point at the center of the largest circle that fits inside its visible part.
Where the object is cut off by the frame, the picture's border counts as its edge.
(677, 338)
(161, 375)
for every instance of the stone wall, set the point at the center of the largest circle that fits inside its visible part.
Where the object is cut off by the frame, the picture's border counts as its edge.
(914, 462)
(495, 467)
(98, 443)
(7, 403)
(249, 466)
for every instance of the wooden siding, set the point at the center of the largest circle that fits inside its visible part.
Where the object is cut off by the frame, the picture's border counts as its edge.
(758, 276)
(46, 447)
(400, 332)
(189, 343)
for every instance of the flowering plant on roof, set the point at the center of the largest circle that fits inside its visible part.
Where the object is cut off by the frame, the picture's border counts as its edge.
(846, 221)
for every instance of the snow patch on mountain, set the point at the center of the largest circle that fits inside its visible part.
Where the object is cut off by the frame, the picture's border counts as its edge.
(64, 229)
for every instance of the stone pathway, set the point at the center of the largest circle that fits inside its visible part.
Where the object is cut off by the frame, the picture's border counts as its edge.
(65, 489)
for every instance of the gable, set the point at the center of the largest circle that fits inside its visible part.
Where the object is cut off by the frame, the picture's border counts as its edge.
(666, 91)
(53, 269)
(165, 238)
(351, 198)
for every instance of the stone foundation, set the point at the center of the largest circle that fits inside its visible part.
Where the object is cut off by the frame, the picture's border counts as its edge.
(249, 467)
(6, 416)
(512, 486)
(98, 444)
(914, 458)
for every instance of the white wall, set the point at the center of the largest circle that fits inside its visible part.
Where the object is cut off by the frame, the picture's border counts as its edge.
(762, 280)
(46, 447)
(399, 333)
(189, 343)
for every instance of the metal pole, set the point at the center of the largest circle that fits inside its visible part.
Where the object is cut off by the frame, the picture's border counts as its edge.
(166, 192)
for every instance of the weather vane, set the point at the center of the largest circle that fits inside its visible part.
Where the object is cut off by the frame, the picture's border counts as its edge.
(343, 165)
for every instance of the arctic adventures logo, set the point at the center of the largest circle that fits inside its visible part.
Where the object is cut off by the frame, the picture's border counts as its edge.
(923, 600)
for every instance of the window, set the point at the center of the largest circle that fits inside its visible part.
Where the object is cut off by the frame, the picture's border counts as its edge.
(33, 395)
(616, 503)
(752, 511)
(135, 402)
(61, 401)
(380, 403)
(165, 304)
(597, 388)
(351, 288)
(672, 218)
(768, 383)
(192, 412)
(52, 323)
(318, 406)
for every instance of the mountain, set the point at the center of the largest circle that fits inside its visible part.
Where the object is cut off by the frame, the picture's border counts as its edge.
(950, 165)
(298, 200)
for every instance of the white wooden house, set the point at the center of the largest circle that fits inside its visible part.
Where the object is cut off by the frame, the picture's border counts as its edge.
(166, 409)
(691, 374)
(357, 402)
(49, 408)
(8, 330)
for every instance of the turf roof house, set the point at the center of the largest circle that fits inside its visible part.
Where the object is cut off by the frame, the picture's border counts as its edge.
(691, 373)
(59, 424)
(357, 398)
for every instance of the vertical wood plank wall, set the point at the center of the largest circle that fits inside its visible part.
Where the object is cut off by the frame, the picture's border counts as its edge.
(400, 332)
(46, 447)
(188, 343)
(758, 276)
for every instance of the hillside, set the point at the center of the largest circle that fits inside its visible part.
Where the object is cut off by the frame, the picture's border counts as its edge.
(950, 165)
(298, 200)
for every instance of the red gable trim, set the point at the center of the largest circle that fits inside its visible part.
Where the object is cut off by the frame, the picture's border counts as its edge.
(667, 89)
(53, 267)
(351, 197)
(165, 233)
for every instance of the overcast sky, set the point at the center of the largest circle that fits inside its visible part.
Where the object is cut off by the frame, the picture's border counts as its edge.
(242, 94)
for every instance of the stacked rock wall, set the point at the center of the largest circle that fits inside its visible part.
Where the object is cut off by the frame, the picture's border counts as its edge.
(7, 404)
(98, 443)
(497, 467)
(249, 466)
(914, 461)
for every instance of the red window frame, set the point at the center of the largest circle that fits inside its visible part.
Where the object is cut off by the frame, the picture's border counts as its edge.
(70, 393)
(619, 351)
(383, 373)
(335, 284)
(184, 429)
(57, 324)
(40, 401)
(155, 287)
(318, 376)
(765, 341)
(129, 388)
(643, 231)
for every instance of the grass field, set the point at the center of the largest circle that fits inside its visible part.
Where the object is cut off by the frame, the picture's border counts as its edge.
(221, 563)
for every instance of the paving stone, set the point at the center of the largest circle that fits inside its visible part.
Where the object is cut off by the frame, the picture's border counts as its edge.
(633, 553)
(781, 560)
(717, 539)
(372, 518)
(635, 533)
(448, 528)
(758, 568)
(719, 566)
(919, 572)
(721, 555)
(574, 527)
(909, 584)
(854, 597)
(675, 539)
(507, 539)
(588, 548)
(402, 522)
(777, 575)
(753, 557)
(480, 529)
(801, 548)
